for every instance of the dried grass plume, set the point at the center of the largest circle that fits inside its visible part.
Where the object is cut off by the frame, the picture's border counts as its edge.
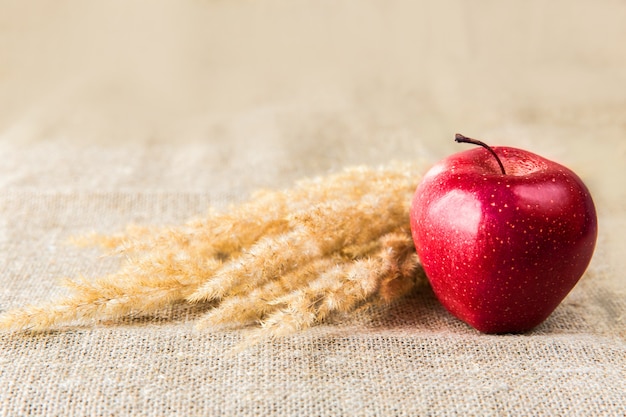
(280, 262)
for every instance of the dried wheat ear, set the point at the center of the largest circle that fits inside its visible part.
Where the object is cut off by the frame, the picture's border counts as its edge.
(280, 262)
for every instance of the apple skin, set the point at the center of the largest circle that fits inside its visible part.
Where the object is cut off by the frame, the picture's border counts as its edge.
(502, 251)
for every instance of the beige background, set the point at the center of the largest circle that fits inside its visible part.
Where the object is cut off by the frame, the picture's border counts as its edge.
(149, 111)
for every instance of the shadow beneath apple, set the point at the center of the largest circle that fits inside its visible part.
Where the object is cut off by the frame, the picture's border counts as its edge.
(589, 309)
(420, 311)
(593, 307)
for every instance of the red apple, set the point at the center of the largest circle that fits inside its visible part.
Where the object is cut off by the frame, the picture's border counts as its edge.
(503, 235)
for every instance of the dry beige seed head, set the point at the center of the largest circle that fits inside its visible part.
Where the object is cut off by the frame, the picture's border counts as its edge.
(282, 261)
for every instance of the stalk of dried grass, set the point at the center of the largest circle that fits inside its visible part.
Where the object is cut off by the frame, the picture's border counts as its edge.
(284, 259)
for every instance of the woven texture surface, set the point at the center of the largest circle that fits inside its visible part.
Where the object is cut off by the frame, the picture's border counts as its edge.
(151, 112)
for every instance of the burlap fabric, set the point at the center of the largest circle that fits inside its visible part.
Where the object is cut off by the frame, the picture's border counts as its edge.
(149, 112)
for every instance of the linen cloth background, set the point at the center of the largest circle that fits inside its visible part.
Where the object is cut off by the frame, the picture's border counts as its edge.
(149, 112)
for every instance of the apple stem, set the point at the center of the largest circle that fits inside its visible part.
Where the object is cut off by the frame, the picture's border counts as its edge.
(459, 138)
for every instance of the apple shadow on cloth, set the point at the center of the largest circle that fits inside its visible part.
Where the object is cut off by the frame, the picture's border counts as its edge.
(421, 311)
